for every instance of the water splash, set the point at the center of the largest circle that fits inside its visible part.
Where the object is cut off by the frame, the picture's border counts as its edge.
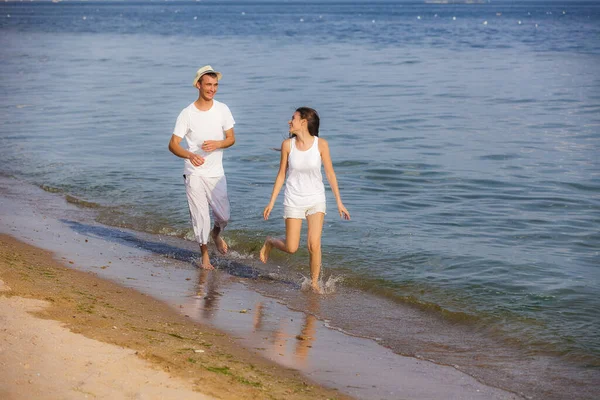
(325, 287)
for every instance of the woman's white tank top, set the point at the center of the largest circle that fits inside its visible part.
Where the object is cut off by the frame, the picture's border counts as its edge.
(304, 185)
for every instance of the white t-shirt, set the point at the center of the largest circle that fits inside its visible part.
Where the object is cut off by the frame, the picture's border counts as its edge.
(195, 127)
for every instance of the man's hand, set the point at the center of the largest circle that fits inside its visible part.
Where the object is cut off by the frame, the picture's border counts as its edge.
(210, 145)
(196, 160)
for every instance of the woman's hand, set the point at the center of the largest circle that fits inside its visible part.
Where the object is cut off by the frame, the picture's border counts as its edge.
(267, 211)
(344, 214)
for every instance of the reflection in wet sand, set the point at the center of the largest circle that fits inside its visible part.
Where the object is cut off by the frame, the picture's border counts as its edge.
(279, 339)
(258, 316)
(286, 339)
(207, 297)
(306, 338)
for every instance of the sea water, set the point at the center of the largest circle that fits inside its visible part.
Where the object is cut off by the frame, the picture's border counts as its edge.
(465, 139)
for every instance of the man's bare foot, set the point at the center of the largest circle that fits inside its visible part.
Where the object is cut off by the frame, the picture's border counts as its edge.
(220, 243)
(265, 250)
(207, 266)
(206, 262)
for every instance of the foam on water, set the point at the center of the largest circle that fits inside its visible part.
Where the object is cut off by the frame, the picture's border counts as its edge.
(327, 286)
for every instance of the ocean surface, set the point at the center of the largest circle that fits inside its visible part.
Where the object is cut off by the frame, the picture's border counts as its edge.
(465, 139)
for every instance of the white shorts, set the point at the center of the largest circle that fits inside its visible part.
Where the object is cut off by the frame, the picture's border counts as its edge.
(303, 212)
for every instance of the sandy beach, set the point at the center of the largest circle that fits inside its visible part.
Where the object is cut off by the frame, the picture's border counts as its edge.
(69, 334)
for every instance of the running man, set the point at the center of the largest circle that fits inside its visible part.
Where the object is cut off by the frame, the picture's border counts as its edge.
(207, 126)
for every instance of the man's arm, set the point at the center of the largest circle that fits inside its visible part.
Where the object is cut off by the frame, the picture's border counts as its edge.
(211, 145)
(176, 148)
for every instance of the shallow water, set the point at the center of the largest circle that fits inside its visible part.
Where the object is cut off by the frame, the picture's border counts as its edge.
(164, 267)
(467, 153)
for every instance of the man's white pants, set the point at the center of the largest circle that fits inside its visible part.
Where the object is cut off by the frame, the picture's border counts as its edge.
(203, 192)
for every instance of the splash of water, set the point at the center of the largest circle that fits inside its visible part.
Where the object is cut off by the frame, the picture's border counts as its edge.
(328, 286)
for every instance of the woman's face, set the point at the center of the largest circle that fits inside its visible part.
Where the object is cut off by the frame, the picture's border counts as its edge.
(295, 123)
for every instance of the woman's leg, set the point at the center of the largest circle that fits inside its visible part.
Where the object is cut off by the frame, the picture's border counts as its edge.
(289, 244)
(315, 230)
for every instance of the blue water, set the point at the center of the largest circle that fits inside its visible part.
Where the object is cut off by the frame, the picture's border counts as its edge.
(465, 138)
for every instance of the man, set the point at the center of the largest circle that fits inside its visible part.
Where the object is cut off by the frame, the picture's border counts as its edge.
(207, 126)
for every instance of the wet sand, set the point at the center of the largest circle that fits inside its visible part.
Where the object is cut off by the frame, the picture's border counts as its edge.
(66, 333)
(209, 330)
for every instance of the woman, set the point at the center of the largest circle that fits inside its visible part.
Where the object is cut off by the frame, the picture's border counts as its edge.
(302, 156)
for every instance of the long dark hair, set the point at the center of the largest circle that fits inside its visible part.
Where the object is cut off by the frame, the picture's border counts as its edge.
(312, 117)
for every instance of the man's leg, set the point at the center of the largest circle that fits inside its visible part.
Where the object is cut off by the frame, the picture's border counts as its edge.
(205, 257)
(219, 202)
(199, 215)
(215, 233)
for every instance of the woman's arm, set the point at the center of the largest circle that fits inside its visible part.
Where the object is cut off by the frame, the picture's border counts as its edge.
(330, 174)
(280, 179)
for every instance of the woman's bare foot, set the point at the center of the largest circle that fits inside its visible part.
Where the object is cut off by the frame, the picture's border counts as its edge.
(315, 287)
(220, 243)
(265, 250)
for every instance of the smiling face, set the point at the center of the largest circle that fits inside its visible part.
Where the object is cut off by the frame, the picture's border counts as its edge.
(208, 86)
(295, 123)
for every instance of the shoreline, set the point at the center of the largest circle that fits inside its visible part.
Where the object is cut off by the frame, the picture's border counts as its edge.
(268, 329)
(143, 336)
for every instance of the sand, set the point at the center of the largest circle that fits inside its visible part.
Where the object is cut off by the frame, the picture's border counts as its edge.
(67, 334)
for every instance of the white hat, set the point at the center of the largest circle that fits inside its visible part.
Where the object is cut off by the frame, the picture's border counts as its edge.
(207, 69)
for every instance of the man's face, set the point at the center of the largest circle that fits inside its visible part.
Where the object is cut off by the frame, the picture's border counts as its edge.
(208, 86)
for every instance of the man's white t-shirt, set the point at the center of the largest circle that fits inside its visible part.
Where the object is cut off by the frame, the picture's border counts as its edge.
(195, 127)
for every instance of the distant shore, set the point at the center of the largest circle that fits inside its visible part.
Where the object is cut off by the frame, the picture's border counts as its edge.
(455, 1)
